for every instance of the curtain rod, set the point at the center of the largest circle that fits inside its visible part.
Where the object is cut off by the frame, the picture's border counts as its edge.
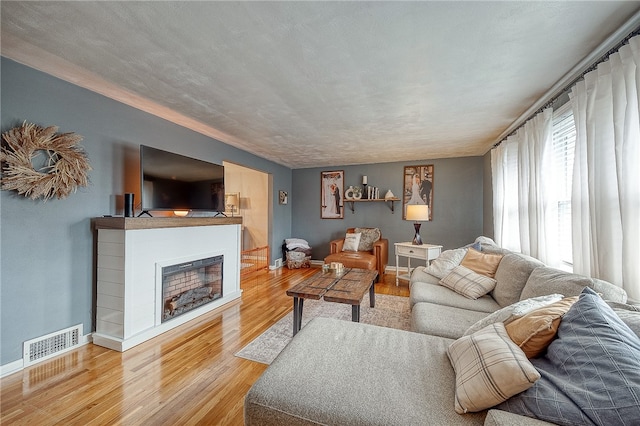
(558, 93)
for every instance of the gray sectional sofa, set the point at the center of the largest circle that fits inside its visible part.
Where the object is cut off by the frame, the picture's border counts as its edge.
(337, 373)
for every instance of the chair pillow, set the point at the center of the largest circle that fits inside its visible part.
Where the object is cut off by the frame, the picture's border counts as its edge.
(590, 373)
(467, 283)
(351, 242)
(537, 329)
(489, 369)
(482, 263)
(513, 311)
(368, 236)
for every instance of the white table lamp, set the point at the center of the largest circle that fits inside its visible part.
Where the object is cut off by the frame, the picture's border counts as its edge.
(417, 213)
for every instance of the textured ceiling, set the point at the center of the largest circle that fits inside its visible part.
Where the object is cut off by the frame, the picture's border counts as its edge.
(310, 84)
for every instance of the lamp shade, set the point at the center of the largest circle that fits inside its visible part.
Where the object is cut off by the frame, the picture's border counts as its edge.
(232, 200)
(417, 212)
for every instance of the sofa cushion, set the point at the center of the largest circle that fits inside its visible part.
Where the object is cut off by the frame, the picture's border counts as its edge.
(505, 418)
(513, 311)
(535, 330)
(590, 373)
(468, 283)
(443, 321)
(339, 373)
(489, 369)
(351, 241)
(629, 314)
(443, 264)
(511, 276)
(482, 263)
(545, 280)
(368, 236)
(437, 294)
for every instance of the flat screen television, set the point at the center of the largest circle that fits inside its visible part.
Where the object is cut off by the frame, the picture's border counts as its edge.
(176, 182)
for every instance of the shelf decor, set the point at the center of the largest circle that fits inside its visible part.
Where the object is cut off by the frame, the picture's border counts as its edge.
(41, 163)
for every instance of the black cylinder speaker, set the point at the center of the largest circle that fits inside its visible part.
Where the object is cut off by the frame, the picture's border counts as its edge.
(128, 205)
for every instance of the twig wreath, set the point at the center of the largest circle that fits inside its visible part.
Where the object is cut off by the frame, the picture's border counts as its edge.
(38, 162)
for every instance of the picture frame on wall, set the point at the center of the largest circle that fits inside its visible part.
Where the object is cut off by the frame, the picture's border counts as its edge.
(331, 195)
(283, 197)
(417, 187)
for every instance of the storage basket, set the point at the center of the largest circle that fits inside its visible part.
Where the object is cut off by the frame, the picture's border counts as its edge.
(297, 260)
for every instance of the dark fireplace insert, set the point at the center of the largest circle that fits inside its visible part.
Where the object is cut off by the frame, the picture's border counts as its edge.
(188, 285)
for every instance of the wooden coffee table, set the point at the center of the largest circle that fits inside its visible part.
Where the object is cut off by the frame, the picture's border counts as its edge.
(349, 287)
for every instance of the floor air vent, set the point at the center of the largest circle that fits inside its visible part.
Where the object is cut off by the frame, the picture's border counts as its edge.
(52, 344)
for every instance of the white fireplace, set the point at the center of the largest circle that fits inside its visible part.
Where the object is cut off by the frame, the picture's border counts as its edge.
(131, 255)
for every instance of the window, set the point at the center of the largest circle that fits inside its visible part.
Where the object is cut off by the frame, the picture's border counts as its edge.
(564, 139)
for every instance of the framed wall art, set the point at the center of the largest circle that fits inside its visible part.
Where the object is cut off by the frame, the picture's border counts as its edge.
(417, 188)
(331, 194)
(283, 197)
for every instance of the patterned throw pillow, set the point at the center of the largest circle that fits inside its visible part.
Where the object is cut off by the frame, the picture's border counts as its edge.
(467, 283)
(489, 368)
(513, 311)
(537, 329)
(351, 242)
(482, 263)
(590, 373)
(367, 238)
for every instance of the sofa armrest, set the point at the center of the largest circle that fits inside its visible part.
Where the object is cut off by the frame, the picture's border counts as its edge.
(504, 418)
(335, 246)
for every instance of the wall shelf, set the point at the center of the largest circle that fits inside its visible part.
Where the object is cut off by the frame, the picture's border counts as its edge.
(390, 201)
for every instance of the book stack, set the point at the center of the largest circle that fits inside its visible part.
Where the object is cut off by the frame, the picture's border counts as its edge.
(373, 192)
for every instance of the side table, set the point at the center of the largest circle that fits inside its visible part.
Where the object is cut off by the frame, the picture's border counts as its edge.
(426, 252)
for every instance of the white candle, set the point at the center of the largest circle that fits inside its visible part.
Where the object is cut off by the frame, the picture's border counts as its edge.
(364, 180)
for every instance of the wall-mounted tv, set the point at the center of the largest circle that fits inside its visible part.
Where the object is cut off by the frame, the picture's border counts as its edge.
(176, 182)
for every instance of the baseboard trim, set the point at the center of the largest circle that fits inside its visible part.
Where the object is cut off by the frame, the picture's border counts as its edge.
(18, 365)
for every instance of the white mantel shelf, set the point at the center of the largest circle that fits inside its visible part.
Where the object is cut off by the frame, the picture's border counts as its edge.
(118, 222)
(131, 253)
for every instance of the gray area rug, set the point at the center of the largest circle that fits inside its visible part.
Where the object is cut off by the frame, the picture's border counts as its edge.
(390, 311)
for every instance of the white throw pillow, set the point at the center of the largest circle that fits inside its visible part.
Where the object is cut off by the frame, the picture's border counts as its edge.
(444, 264)
(514, 311)
(351, 242)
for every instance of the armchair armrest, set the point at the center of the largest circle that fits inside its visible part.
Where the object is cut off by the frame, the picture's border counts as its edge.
(336, 246)
(381, 251)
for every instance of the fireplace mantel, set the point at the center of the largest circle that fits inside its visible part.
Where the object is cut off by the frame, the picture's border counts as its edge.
(130, 253)
(109, 222)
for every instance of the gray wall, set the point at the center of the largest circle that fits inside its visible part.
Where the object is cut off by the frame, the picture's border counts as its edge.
(457, 205)
(46, 281)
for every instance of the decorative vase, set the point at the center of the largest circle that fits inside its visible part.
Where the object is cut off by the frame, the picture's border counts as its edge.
(348, 194)
(357, 193)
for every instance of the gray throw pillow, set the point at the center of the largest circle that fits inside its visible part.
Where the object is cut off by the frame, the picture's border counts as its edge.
(368, 236)
(590, 374)
(511, 277)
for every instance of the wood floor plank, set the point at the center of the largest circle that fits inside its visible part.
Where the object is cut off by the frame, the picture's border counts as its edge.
(186, 376)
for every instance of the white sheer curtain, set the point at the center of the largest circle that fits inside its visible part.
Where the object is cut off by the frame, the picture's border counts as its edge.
(525, 205)
(504, 166)
(606, 180)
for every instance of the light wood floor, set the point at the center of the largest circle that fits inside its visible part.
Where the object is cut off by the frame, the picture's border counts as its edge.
(186, 376)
